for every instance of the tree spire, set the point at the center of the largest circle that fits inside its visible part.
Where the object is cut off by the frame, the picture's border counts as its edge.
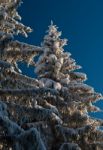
(54, 36)
(54, 62)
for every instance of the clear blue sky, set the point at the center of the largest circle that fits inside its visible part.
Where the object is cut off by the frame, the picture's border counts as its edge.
(81, 22)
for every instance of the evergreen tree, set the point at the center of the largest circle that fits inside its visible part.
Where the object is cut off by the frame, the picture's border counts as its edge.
(12, 81)
(49, 112)
(57, 70)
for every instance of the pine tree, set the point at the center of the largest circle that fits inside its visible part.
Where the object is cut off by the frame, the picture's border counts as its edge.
(49, 112)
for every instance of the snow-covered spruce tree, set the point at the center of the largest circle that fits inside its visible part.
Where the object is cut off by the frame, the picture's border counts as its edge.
(56, 70)
(16, 90)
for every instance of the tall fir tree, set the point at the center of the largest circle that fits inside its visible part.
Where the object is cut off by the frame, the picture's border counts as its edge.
(49, 112)
(57, 70)
(13, 84)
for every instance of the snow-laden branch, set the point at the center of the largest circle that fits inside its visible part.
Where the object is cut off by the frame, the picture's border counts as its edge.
(21, 139)
(17, 51)
(27, 92)
(22, 78)
(37, 113)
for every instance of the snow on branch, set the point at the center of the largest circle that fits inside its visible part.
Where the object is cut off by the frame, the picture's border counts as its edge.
(29, 140)
(18, 51)
(28, 92)
(9, 19)
(78, 76)
(73, 86)
(21, 139)
(22, 78)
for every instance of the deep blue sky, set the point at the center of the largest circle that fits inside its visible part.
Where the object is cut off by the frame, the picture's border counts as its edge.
(81, 22)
